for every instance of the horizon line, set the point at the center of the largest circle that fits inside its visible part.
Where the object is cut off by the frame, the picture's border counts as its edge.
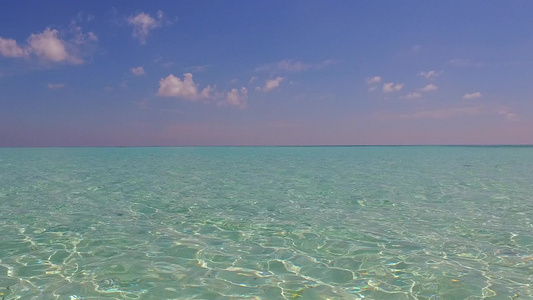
(258, 146)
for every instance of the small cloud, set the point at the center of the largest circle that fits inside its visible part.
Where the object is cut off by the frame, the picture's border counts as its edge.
(508, 115)
(271, 84)
(9, 48)
(49, 47)
(234, 80)
(82, 17)
(143, 23)
(430, 74)
(237, 98)
(292, 65)
(138, 71)
(472, 96)
(411, 96)
(206, 92)
(375, 79)
(80, 37)
(391, 87)
(252, 79)
(429, 88)
(91, 36)
(372, 88)
(173, 86)
(187, 89)
(55, 86)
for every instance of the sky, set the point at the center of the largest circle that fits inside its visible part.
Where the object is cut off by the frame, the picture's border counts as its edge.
(201, 73)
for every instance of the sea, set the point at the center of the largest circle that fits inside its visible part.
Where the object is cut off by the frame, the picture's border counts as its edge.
(361, 222)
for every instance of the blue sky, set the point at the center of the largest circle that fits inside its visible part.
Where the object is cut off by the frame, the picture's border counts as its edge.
(109, 73)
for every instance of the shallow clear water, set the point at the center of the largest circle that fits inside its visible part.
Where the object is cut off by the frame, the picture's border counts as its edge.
(267, 223)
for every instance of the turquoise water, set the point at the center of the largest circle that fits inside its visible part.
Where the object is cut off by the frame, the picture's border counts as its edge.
(267, 223)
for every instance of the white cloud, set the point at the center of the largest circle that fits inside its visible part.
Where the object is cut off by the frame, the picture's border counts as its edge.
(372, 88)
(430, 74)
(375, 79)
(53, 46)
(206, 92)
(391, 87)
(271, 84)
(429, 88)
(290, 65)
(137, 71)
(172, 86)
(252, 79)
(237, 98)
(55, 86)
(472, 95)
(9, 48)
(410, 96)
(48, 46)
(142, 25)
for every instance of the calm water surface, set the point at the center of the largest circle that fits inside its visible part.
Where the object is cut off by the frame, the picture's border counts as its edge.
(267, 223)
